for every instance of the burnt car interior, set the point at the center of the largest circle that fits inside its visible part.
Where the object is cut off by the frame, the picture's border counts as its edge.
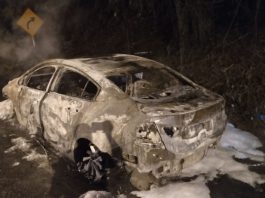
(71, 83)
(120, 80)
(150, 83)
(76, 85)
(40, 78)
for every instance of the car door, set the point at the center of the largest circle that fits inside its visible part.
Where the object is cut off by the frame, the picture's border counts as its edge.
(63, 107)
(30, 93)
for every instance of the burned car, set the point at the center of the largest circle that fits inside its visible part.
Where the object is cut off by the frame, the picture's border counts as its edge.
(152, 117)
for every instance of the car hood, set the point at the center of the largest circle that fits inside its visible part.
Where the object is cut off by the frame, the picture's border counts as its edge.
(176, 104)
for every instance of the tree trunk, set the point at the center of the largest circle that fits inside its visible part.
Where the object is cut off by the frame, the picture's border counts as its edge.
(195, 26)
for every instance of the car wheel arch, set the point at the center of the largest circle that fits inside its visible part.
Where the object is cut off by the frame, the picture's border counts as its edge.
(88, 136)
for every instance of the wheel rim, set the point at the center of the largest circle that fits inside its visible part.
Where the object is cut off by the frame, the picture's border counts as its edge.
(92, 168)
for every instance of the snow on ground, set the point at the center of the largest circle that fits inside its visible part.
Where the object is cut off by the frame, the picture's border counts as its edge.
(31, 154)
(234, 143)
(19, 144)
(242, 143)
(15, 164)
(6, 110)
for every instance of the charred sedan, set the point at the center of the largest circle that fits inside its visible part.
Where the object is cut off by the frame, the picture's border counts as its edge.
(149, 115)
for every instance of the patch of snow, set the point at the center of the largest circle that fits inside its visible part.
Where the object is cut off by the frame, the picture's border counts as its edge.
(31, 154)
(96, 194)
(243, 143)
(34, 156)
(121, 196)
(219, 162)
(19, 144)
(6, 110)
(234, 143)
(15, 164)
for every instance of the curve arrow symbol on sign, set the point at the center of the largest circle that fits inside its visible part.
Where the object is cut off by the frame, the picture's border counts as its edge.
(31, 20)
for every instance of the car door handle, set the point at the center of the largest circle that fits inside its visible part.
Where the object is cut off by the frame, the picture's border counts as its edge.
(20, 89)
(35, 103)
(31, 110)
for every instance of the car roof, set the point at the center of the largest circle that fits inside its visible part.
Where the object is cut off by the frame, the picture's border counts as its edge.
(118, 62)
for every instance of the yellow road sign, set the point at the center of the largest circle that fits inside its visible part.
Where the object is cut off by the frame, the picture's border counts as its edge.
(30, 22)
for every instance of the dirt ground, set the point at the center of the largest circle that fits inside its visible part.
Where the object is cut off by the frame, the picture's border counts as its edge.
(58, 178)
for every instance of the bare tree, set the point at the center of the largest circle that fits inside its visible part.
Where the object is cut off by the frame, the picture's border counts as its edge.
(195, 25)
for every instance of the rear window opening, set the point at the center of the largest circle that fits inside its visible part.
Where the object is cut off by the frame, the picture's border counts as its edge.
(149, 83)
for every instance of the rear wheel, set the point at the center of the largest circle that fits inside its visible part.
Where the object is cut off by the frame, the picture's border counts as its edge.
(89, 161)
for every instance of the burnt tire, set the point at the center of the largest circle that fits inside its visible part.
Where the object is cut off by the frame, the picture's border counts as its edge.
(89, 161)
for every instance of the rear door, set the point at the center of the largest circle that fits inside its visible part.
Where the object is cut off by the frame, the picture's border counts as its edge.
(30, 93)
(63, 107)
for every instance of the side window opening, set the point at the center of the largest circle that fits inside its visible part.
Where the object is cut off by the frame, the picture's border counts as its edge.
(40, 79)
(120, 81)
(75, 85)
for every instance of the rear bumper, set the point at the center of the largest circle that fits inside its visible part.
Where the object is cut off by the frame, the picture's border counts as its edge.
(179, 150)
(162, 163)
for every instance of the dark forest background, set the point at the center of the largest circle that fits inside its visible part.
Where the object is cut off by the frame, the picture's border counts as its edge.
(219, 44)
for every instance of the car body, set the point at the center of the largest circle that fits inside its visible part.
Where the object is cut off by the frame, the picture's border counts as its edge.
(154, 118)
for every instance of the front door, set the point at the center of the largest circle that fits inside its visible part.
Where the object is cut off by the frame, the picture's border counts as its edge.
(31, 92)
